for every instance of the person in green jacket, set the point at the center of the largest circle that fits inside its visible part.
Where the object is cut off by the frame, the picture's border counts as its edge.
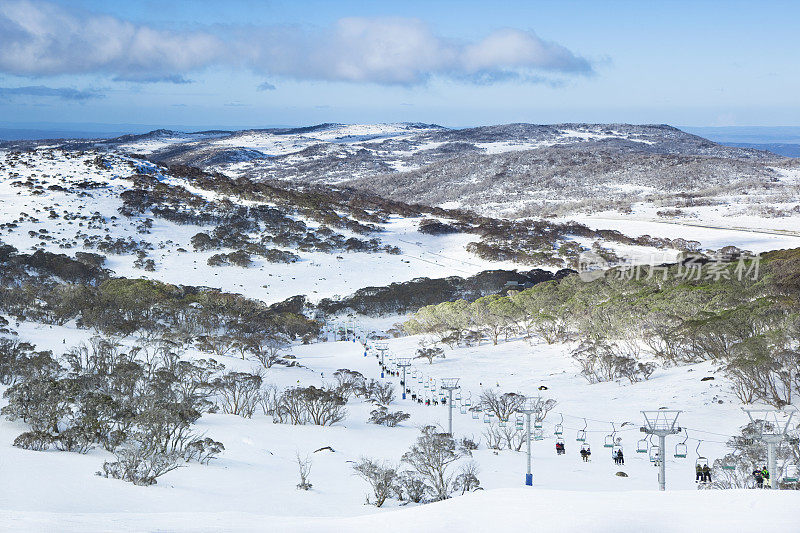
(765, 475)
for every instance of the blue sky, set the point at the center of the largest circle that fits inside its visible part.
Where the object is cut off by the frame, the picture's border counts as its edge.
(235, 63)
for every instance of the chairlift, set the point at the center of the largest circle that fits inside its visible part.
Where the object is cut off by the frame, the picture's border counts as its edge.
(559, 430)
(503, 422)
(468, 401)
(680, 449)
(476, 413)
(463, 410)
(641, 446)
(581, 436)
(792, 474)
(487, 419)
(538, 434)
(585, 447)
(608, 442)
(700, 461)
(537, 424)
(458, 395)
(655, 453)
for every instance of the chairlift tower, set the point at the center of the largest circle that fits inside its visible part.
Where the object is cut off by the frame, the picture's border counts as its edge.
(661, 423)
(450, 384)
(404, 362)
(529, 407)
(382, 347)
(772, 426)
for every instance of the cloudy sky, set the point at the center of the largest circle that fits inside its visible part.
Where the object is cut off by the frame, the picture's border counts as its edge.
(232, 63)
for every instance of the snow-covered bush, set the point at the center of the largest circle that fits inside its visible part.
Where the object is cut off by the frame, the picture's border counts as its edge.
(348, 381)
(467, 478)
(381, 477)
(202, 450)
(382, 416)
(302, 405)
(140, 465)
(34, 440)
(238, 393)
(376, 391)
(411, 486)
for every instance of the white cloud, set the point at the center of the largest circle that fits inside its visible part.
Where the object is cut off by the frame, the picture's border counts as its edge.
(40, 39)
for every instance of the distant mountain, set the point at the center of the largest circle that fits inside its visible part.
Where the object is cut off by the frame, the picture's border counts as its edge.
(513, 169)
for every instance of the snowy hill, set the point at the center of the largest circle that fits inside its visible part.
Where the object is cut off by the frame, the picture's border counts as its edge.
(138, 293)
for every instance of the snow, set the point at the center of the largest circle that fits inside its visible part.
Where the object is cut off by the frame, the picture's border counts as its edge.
(252, 483)
(494, 510)
(251, 486)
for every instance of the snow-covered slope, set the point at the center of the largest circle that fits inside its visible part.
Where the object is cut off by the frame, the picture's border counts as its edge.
(252, 483)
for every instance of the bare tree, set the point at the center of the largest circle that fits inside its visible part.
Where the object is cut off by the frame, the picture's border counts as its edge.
(431, 456)
(380, 475)
(304, 465)
(502, 405)
(467, 478)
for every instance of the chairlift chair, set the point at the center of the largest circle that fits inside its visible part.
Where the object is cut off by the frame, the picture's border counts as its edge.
(608, 442)
(585, 447)
(487, 419)
(463, 410)
(728, 466)
(641, 446)
(680, 450)
(700, 461)
(476, 413)
(538, 424)
(792, 474)
(581, 436)
(538, 434)
(655, 453)
(503, 422)
(559, 430)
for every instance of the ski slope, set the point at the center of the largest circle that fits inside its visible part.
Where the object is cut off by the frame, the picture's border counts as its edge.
(251, 486)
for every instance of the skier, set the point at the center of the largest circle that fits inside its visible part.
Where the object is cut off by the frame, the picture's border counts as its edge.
(706, 474)
(585, 453)
(699, 474)
(620, 458)
(759, 478)
(560, 448)
(765, 474)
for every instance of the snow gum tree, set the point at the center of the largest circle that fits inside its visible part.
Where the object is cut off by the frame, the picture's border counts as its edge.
(431, 457)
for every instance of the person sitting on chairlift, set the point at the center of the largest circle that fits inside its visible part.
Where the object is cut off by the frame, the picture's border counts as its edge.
(759, 478)
(706, 474)
(698, 478)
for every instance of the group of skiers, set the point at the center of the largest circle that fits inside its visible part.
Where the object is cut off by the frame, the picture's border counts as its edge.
(619, 459)
(560, 450)
(702, 473)
(585, 453)
(761, 476)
